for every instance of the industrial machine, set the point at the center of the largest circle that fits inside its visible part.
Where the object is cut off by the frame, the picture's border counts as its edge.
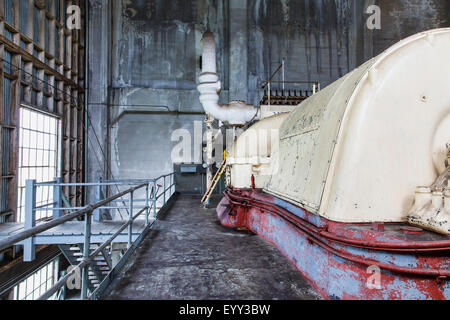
(353, 184)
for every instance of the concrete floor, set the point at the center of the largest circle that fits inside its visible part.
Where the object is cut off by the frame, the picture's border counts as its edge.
(189, 255)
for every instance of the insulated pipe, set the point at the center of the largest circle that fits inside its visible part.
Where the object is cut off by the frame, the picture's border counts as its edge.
(235, 113)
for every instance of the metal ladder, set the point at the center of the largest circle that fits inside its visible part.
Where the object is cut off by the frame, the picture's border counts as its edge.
(215, 181)
(98, 269)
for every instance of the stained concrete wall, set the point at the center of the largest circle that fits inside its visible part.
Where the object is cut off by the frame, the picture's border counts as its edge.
(145, 62)
(403, 18)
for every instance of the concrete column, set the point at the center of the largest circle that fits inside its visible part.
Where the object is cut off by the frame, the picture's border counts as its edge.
(98, 95)
(238, 50)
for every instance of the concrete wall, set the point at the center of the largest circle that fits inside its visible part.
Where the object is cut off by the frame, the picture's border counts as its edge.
(145, 62)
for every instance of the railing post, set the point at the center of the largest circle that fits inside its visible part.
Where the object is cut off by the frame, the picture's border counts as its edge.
(86, 252)
(155, 194)
(164, 186)
(97, 198)
(174, 183)
(57, 199)
(29, 250)
(130, 219)
(147, 211)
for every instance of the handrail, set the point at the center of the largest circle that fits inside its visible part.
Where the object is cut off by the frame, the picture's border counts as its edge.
(26, 237)
(267, 83)
(10, 241)
(61, 282)
(264, 84)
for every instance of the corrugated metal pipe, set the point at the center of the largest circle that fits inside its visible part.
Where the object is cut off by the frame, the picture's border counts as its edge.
(236, 112)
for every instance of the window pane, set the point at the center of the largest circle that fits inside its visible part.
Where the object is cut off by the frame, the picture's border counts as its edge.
(23, 16)
(38, 151)
(37, 283)
(8, 11)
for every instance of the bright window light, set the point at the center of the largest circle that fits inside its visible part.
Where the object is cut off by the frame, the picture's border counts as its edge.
(38, 157)
(37, 283)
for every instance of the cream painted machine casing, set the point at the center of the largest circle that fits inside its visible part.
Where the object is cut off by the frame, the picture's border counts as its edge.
(252, 152)
(356, 151)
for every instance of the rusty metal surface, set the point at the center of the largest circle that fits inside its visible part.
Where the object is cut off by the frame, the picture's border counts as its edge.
(339, 270)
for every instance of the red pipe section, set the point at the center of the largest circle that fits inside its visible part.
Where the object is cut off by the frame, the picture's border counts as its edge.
(376, 245)
(310, 232)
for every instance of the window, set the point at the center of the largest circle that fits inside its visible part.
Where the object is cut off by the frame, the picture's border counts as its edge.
(46, 34)
(57, 14)
(5, 143)
(37, 283)
(57, 43)
(38, 157)
(36, 25)
(8, 35)
(8, 11)
(7, 62)
(23, 44)
(23, 16)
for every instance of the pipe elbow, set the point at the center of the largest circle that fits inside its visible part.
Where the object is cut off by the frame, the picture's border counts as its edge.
(235, 113)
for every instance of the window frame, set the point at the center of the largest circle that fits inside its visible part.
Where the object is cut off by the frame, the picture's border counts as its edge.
(58, 159)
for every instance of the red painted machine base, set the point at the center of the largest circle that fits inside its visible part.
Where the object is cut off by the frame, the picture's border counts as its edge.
(342, 260)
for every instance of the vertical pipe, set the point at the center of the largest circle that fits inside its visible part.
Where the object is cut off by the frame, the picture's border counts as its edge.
(86, 97)
(154, 199)
(130, 219)
(86, 249)
(146, 204)
(164, 186)
(209, 150)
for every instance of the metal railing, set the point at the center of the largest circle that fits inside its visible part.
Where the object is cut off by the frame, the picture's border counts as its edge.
(157, 192)
(313, 85)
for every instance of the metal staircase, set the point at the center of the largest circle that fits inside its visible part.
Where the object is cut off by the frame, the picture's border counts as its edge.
(99, 267)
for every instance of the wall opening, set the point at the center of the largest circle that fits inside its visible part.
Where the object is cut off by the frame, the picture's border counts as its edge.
(38, 157)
